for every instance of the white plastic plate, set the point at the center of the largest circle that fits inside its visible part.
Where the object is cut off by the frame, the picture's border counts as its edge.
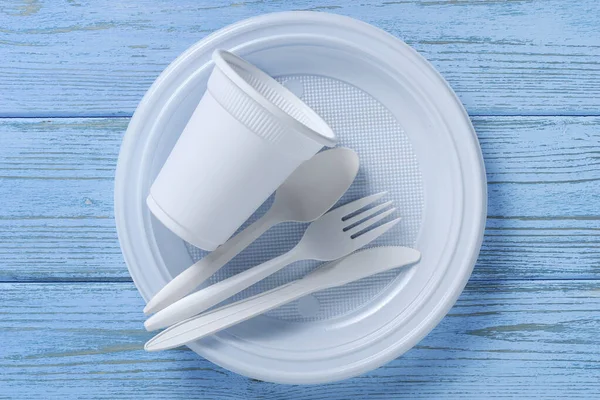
(414, 139)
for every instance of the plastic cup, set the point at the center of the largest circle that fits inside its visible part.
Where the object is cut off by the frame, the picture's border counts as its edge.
(247, 135)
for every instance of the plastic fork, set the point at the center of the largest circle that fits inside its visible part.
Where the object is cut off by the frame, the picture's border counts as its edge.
(334, 235)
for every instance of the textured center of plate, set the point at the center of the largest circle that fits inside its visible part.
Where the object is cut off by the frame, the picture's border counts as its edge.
(387, 163)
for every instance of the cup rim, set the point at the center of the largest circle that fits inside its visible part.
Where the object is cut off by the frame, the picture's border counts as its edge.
(323, 133)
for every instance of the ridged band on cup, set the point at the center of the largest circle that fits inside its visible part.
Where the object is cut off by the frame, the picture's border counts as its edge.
(244, 109)
(266, 107)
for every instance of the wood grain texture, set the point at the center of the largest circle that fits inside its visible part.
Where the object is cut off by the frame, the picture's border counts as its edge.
(98, 57)
(501, 340)
(56, 212)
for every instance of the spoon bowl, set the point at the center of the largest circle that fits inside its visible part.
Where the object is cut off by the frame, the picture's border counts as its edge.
(315, 186)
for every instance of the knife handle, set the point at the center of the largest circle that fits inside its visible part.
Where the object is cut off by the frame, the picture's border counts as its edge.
(222, 318)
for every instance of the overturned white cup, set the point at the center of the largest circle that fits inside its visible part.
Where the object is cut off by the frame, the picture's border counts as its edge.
(247, 135)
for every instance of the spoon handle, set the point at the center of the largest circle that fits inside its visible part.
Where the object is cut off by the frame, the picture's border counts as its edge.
(203, 299)
(192, 277)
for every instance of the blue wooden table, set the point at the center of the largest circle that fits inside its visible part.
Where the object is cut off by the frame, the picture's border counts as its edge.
(528, 323)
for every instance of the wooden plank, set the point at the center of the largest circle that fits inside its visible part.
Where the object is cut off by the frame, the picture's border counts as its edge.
(502, 340)
(57, 216)
(543, 191)
(84, 57)
(56, 212)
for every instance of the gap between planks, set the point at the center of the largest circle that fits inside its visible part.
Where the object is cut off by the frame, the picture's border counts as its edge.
(129, 280)
(578, 114)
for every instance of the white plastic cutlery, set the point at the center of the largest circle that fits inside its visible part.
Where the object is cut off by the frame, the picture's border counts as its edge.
(351, 268)
(334, 235)
(308, 193)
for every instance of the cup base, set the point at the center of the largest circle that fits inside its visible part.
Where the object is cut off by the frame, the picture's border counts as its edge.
(176, 228)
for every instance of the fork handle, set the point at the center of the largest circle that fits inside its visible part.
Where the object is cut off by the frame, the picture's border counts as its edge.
(222, 318)
(192, 277)
(202, 300)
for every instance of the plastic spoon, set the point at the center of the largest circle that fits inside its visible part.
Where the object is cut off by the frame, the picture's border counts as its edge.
(334, 235)
(311, 190)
